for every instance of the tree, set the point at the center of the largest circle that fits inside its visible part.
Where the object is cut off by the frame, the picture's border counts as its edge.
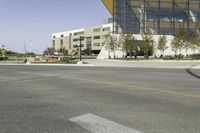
(189, 43)
(63, 51)
(0, 51)
(162, 44)
(111, 43)
(182, 37)
(49, 51)
(129, 44)
(175, 45)
(196, 37)
(146, 44)
(87, 51)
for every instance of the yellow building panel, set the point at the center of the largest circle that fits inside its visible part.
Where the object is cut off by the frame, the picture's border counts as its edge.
(109, 5)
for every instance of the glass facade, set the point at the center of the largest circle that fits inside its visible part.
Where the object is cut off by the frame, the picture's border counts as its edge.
(97, 30)
(155, 16)
(124, 17)
(89, 42)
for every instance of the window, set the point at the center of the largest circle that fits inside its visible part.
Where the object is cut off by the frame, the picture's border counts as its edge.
(54, 36)
(88, 39)
(77, 46)
(76, 39)
(96, 37)
(97, 30)
(79, 33)
(96, 44)
(89, 42)
(62, 36)
(106, 29)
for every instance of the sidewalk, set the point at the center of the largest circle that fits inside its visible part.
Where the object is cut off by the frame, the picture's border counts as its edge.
(146, 63)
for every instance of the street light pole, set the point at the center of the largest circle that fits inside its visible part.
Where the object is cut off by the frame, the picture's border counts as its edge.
(80, 57)
(4, 53)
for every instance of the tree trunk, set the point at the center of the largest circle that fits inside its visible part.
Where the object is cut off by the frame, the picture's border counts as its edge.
(108, 53)
(135, 54)
(163, 53)
(180, 53)
(114, 54)
(131, 56)
(186, 52)
(126, 53)
(147, 55)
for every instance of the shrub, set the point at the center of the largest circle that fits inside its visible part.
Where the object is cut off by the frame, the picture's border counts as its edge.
(195, 56)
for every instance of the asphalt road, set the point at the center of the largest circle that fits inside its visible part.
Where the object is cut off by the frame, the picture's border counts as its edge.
(45, 99)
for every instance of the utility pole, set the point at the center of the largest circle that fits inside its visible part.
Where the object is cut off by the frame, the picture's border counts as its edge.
(4, 53)
(80, 45)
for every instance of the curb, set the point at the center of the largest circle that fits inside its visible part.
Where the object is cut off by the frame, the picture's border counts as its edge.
(47, 65)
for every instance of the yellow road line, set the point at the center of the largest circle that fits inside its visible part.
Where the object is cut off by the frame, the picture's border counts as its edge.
(137, 87)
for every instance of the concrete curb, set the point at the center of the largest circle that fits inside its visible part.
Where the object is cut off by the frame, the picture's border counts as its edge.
(103, 65)
(141, 61)
(47, 65)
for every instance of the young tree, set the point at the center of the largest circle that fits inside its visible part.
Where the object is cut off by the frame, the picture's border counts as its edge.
(125, 42)
(175, 45)
(49, 51)
(87, 51)
(133, 47)
(129, 44)
(182, 37)
(111, 43)
(162, 44)
(147, 44)
(196, 37)
(63, 51)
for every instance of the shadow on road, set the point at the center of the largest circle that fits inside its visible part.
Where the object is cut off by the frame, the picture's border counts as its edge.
(189, 70)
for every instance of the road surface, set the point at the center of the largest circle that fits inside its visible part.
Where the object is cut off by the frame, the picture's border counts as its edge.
(61, 99)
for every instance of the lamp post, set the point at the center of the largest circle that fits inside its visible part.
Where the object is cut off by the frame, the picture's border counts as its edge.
(80, 45)
(80, 57)
(4, 53)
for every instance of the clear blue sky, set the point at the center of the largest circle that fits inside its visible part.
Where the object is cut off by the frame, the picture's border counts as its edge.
(36, 20)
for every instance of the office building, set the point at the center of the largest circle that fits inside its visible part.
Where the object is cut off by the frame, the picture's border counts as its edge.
(93, 37)
(158, 17)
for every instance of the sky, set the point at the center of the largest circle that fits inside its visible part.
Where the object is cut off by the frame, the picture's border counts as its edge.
(30, 23)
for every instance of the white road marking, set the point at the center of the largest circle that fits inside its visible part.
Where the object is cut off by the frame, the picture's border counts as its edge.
(96, 124)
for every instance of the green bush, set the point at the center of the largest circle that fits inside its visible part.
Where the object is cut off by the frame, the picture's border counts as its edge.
(168, 57)
(64, 59)
(195, 56)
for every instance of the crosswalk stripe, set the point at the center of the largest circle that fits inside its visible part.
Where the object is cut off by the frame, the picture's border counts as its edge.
(96, 124)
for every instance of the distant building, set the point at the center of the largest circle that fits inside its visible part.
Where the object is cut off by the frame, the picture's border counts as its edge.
(159, 17)
(93, 37)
